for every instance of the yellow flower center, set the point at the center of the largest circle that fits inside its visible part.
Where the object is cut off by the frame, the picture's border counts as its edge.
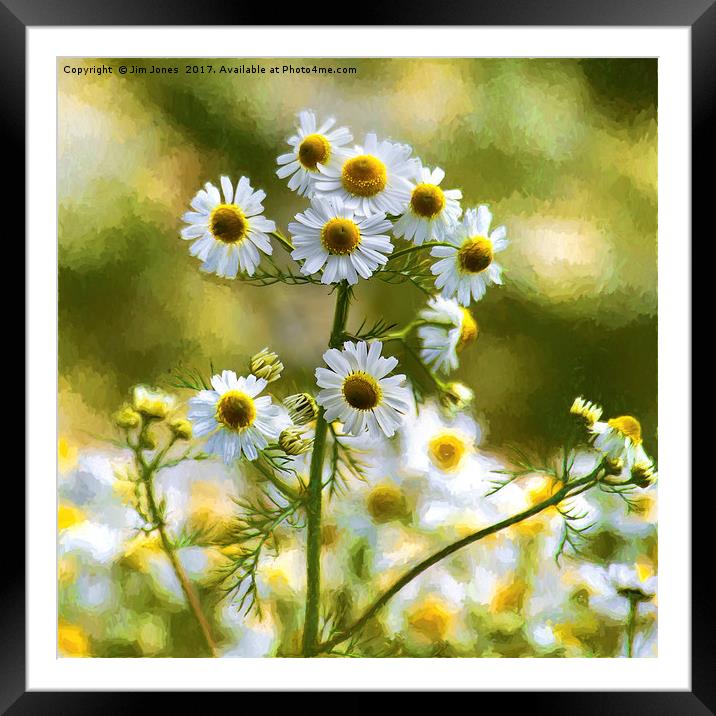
(361, 391)
(509, 596)
(468, 331)
(236, 410)
(69, 516)
(643, 571)
(228, 223)
(386, 503)
(427, 200)
(446, 451)
(628, 426)
(340, 236)
(431, 619)
(364, 175)
(475, 254)
(313, 150)
(72, 641)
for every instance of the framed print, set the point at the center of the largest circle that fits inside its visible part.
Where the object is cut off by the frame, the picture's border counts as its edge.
(372, 346)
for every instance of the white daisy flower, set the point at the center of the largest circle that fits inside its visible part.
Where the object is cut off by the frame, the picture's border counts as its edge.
(357, 391)
(230, 233)
(372, 178)
(238, 422)
(619, 439)
(449, 329)
(432, 212)
(466, 270)
(312, 149)
(330, 236)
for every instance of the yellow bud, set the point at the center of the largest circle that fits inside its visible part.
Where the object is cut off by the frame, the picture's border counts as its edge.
(127, 418)
(152, 403)
(181, 428)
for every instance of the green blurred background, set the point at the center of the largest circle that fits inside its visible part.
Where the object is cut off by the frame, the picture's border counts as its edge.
(563, 151)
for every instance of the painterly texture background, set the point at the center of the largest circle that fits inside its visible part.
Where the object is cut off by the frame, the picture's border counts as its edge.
(564, 151)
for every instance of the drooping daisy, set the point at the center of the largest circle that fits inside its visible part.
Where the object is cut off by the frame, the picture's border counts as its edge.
(450, 329)
(312, 149)
(331, 236)
(466, 270)
(238, 422)
(357, 391)
(638, 581)
(230, 232)
(619, 439)
(432, 212)
(372, 178)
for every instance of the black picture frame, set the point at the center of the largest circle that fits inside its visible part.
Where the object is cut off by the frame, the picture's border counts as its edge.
(699, 15)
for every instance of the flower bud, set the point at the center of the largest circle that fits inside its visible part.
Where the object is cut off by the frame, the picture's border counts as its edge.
(302, 408)
(613, 466)
(456, 396)
(589, 412)
(643, 474)
(127, 418)
(292, 442)
(152, 403)
(181, 429)
(267, 365)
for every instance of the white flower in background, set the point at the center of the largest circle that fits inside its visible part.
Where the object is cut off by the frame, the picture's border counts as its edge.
(230, 233)
(451, 329)
(372, 178)
(609, 590)
(432, 212)
(619, 439)
(430, 610)
(454, 476)
(467, 269)
(432, 443)
(634, 581)
(312, 148)
(357, 391)
(330, 236)
(238, 422)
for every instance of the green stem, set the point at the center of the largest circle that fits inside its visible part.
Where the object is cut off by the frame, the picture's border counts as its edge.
(277, 482)
(282, 240)
(436, 557)
(421, 247)
(314, 495)
(631, 626)
(440, 385)
(186, 585)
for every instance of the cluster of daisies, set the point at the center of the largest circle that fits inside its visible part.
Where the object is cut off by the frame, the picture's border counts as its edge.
(619, 440)
(357, 390)
(359, 196)
(362, 198)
